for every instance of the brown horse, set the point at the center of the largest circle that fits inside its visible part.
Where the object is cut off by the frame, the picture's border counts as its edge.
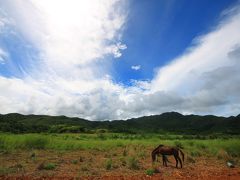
(167, 150)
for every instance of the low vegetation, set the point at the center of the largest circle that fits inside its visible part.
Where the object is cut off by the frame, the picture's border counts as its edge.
(195, 147)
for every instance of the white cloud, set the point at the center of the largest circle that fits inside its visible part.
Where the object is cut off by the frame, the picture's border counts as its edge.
(3, 56)
(136, 68)
(74, 40)
(69, 33)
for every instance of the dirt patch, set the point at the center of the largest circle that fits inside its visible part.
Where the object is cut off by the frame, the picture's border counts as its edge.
(117, 165)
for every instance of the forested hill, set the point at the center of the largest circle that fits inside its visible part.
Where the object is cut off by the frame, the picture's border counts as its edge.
(166, 122)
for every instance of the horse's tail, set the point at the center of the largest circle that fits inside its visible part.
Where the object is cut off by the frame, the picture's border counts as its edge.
(181, 154)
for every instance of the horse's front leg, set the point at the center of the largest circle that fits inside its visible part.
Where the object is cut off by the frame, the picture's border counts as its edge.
(164, 159)
(176, 160)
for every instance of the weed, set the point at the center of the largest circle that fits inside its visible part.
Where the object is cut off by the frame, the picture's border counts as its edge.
(142, 154)
(133, 163)
(178, 144)
(149, 172)
(108, 164)
(47, 166)
(81, 159)
(221, 154)
(85, 168)
(74, 161)
(191, 143)
(195, 153)
(125, 152)
(123, 161)
(201, 146)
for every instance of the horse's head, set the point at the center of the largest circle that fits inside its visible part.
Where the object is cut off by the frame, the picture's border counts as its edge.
(154, 156)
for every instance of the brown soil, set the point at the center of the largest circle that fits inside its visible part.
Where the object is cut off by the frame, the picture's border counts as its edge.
(92, 165)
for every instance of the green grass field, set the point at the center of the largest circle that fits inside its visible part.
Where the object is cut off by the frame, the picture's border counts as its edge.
(194, 145)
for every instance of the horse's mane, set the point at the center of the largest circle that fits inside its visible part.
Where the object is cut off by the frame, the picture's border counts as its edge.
(157, 147)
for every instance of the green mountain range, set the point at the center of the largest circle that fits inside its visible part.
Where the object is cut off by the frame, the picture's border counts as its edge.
(166, 122)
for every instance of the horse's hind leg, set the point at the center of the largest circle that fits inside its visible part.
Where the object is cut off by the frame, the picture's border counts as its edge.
(176, 158)
(180, 160)
(163, 160)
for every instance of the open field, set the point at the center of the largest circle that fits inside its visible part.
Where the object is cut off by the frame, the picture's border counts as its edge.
(111, 155)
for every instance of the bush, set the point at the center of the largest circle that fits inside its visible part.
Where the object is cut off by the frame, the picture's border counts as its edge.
(108, 164)
(125, 152)
(195, 153)
(233, 151)
(201, 146)
(133, 163)
(74, 161)
(178, 144)
(149, 172)
(48, 166)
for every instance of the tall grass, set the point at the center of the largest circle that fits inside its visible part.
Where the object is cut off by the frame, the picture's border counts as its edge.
(195, 147)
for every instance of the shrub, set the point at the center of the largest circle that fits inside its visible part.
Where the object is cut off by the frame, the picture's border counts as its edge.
(195, 153)
(149, 172)
(142, 154)
(191, 143)
(232, 151)
(74, 161)
(178, 144)
(221, 154)
(99, 131)
(133, 163)
(108, 164)
(123, 161)
(47, 166)
(124, 152)
(201, 146)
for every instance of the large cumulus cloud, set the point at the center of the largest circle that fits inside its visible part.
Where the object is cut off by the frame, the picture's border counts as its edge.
(70, 69)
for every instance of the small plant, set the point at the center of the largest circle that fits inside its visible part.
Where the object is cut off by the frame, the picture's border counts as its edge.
(178, 144)
(191, 143)
(108, 164)
(81, 159)
(46, 166)
(133, 163)
(142, 154)
(33, 155)
(195, 153)
(85, 168)
(221, 154)
(125, 152)
(202, 146)
(123, 161)
(74, 161)
(149, 172)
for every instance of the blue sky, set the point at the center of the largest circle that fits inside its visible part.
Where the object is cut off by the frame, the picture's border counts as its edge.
(116, 59)
(158, 31)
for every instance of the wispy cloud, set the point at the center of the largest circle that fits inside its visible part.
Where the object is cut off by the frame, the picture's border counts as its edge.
(136, 68)
(3, 56)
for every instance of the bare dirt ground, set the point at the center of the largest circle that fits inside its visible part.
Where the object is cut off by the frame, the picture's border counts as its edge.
(91, 165)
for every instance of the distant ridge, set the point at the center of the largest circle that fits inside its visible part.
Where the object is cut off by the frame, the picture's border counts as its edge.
(166, 122)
